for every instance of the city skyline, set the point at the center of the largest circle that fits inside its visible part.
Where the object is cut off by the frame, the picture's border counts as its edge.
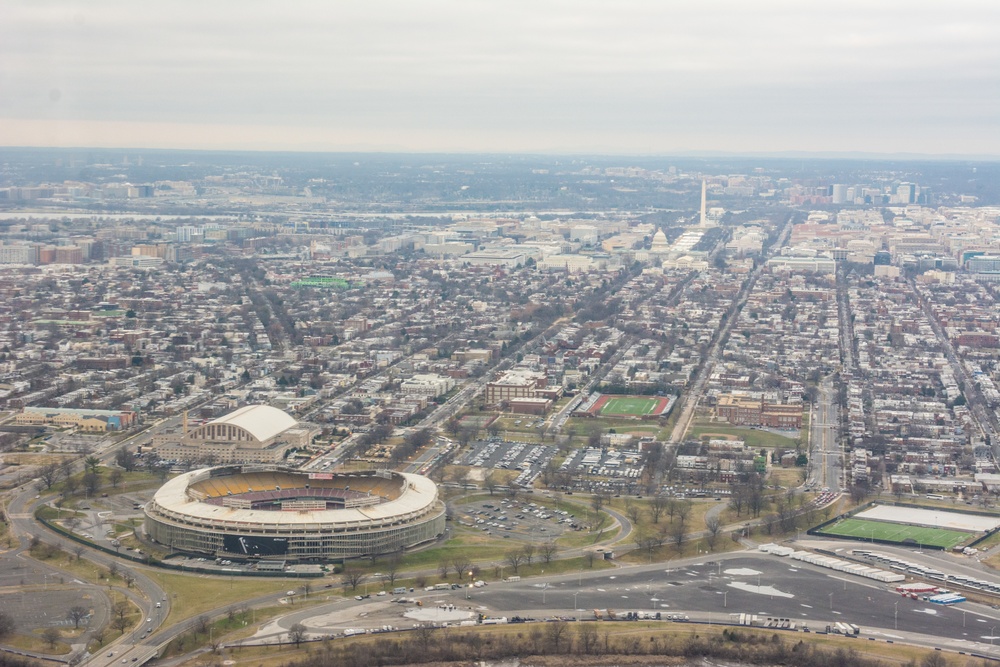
(550, 78)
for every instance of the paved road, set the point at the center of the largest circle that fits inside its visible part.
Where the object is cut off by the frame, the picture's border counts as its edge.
(707, 589)
(827, 456)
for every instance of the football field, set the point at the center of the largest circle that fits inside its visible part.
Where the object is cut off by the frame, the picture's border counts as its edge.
(635, 406)
(899, 533)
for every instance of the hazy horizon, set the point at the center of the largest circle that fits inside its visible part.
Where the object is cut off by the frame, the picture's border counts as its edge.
(629, 78)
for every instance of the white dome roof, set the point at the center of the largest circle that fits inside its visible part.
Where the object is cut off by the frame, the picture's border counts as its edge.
(260, 421)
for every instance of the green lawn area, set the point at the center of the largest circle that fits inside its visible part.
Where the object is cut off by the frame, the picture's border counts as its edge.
(894, 532)
(752, 436)
(629, 405)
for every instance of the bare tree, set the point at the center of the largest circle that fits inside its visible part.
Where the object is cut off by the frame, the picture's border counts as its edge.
(586, 634)
(7, 624)
(78, 550)
(70, 486)
(529, 553)
(633, 511)
(548, 551)
(115, 477)
(461, 565)
(515, 558)
(554, 633)
(119, 623)
(296, 633)
(50, 473)
(713, 525)
(677, 534)
(391, 569)
(490, 482)
(683, 510)
(657, 506)
(353, 578)
(76, 614)
(51, 636)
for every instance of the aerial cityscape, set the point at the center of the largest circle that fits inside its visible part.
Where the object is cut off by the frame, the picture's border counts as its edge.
(358, 394)
(517, 334)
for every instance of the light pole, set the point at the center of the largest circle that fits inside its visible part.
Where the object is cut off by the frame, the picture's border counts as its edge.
(895, 615)
(725, 599)
(831, 601)
(574, 600)
(991, 636)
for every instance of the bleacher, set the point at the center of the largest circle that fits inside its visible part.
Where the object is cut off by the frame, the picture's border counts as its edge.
(266, 489)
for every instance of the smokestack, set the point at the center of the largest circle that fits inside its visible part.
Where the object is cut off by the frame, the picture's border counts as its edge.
(704, 217)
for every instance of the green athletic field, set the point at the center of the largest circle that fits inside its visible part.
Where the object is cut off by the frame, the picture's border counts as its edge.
(628, 405)
(894, 532)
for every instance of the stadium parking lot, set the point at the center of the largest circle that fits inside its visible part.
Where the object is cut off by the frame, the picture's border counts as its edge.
(521, 519)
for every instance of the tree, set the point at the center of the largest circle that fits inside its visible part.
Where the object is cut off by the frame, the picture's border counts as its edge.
(677, 534)
(713, 525)
(125, 459)
(296, 633)
(514, 558)
(490, 482)
(548, 551)
(586, 634)
(529, 553)
(353, 578)
(51, 636)
(391, 569)
(683, 511)
(91, 482)
(50, 473)
(119, 623)
(70, 486)
(92, 463)
(633, 510)
(76, 614)
(115, 477)
(554, 632)
(7, 624)
(657, 506)
(462, 566)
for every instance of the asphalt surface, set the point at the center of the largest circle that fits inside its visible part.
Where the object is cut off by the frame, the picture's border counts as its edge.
(705, 589)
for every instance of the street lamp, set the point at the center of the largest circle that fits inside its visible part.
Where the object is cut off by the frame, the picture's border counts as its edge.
(725, 599)
(831, 601)
(574, 600)
(895, 615)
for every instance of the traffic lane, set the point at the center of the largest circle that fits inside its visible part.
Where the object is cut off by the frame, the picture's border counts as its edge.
(812, 591)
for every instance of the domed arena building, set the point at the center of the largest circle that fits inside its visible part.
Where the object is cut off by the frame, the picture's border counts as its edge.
(251, 512)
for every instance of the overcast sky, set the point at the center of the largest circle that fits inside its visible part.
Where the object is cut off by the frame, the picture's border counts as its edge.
(619, 76)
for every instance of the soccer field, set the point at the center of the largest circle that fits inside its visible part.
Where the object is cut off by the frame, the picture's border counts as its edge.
(634, 406)
(894, 532)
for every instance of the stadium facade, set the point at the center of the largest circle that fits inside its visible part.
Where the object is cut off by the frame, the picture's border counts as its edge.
(267, 512)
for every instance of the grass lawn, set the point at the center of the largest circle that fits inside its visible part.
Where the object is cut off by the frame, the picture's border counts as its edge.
(786, 477)
(892, 532)
(752, 436)
(630, 405)
(192, 594)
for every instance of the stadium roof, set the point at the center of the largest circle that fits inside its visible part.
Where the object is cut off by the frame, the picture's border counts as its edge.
(419, 494)
(261, 421)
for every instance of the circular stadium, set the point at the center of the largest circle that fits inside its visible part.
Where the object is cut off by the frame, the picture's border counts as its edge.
(262, 512)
